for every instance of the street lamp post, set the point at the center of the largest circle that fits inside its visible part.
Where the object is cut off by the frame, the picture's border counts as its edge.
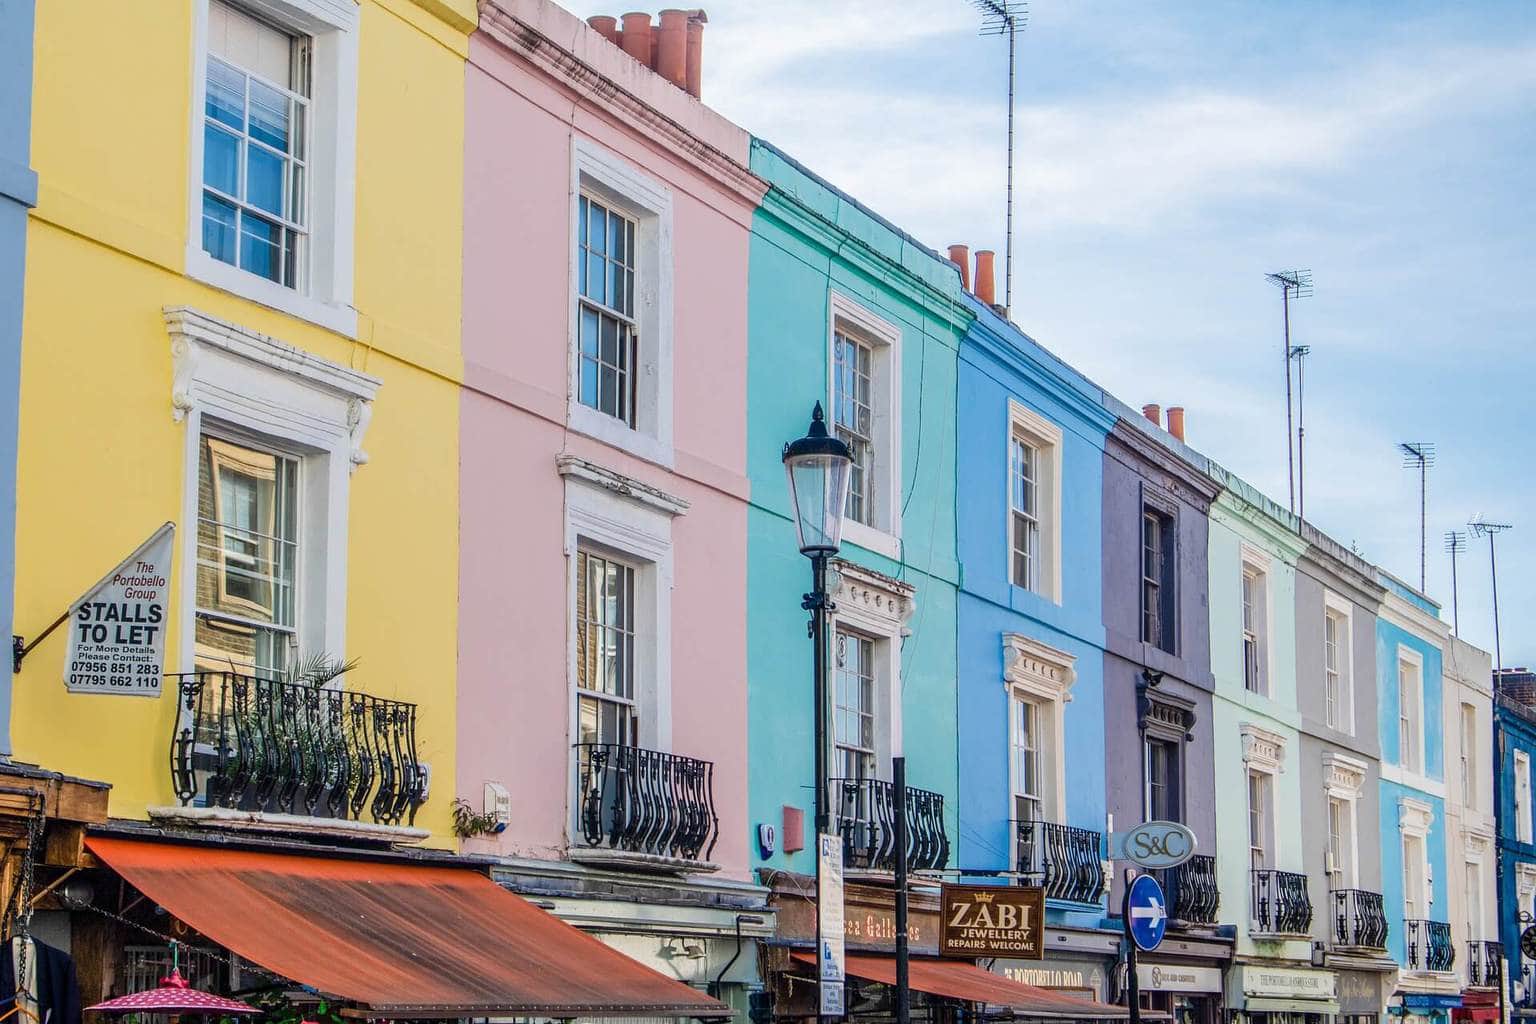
(817, 466)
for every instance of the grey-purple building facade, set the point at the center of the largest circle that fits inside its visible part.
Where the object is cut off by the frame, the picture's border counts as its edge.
(1159, 756)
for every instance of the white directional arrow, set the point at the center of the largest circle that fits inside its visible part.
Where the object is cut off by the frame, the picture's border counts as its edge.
(1155, 911)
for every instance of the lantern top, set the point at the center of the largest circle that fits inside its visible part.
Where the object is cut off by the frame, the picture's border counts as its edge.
(816, 441)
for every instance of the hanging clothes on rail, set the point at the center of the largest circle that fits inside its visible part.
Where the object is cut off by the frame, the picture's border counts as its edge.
(51, 983)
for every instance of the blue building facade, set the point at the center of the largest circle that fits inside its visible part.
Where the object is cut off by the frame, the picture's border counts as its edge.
(18, 194)
(1410, 639)
(1514, 746)
(1030, 641)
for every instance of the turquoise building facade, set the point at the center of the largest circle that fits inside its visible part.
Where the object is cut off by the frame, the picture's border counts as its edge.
(848, 311)
(18, 194)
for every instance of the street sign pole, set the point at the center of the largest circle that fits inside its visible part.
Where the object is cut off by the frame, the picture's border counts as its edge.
(1132, 983)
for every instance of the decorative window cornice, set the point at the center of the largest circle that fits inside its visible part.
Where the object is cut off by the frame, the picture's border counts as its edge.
(571, 466)
(1161, 714)
(1262, 749)
(1038, 669)
(212, 358)
(873, 600)
(1343, 776)
(1525, 881)
(1415, 817)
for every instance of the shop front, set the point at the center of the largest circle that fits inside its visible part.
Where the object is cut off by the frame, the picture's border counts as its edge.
(944, 989)
(1410, 1007)
(1275, 994)
(1478, 1006)
(315, 932)
(1182, 980)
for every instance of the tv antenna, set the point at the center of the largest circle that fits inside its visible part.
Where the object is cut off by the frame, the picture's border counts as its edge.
(1006, 17)
(1455, 543)
(1484, 528)
(1419, 455)
(1294, 284)
(1300, 353)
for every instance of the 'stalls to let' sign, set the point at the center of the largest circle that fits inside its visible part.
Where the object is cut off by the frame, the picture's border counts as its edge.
(117, 628)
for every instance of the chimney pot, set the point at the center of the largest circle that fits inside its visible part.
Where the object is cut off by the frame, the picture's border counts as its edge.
(694, 73)
(1176, 421)
(960, 256)
(672, 52)
(636, 39)
(606, 24)
(986, 288)
(1153, 412)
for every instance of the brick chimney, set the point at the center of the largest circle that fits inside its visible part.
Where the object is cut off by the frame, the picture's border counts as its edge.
(1176, 421)
(986, 286)
(960, 256)
(1153, 412)
(673, 48)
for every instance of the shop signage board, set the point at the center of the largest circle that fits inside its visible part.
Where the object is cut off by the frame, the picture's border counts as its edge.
(1279, 983)
(992, 920)
(1153, 845)
(1146, 913)
(1361, 993)
(829, 908)
(117, 628)
(1079, 977)
(1177, 978)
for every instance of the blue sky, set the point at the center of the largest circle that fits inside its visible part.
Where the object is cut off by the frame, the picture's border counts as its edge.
(1171, 154)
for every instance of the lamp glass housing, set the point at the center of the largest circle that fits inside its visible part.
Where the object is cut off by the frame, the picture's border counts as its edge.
(817, 466)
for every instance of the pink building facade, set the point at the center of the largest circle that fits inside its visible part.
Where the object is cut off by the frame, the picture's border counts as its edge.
(602, 650)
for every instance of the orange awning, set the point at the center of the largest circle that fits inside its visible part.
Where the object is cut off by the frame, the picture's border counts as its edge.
(402, 940)
(960, 979)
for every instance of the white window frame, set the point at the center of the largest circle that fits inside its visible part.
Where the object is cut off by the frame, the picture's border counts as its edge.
(1043, 676)
(1523, 824)
(879, 608)
(626, 189)
(1415, 819)
(847, 316)
(326, 297)
(1471, 792)
(1267, 816)
(1046, 438)
(1341, 611)
(1413, 712)
(1344, 780)
(313, 409)
(1256, 564)
(1474, 895)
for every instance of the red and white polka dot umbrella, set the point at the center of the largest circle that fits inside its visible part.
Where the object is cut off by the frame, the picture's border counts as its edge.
(174, 995)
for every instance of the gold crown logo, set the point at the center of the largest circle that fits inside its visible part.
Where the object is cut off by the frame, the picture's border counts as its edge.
(983, 897)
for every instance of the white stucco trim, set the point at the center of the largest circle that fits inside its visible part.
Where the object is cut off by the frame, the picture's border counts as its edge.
(625, 486)
(1345, 610)
(326, 297)
(1525, 886)
(236, 382)
(1415, 817)
(847, 314)
(1416, 659)
(1263, 750)
(1043, 676)
(1343, 776)
(1047, 437)
(648, 202)
(879, 607)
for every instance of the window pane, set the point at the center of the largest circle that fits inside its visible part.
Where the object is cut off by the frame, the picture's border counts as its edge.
(269, 116)
(226, 94)
(218, 229)
(221, 160)
(261, 247)
(264, 180)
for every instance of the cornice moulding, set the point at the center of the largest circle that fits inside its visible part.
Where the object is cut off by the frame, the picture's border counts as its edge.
(625, 486)
(1164, 458)
(526, 41)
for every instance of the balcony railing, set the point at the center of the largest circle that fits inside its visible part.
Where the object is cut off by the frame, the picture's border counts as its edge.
(1067, 862)
(1280, 903)
(259, 745)
(646, 801)
(1527, 999)
(1193, 895)
(1359, 919)
(865, 810)
(1485, 964)
(1429, 946)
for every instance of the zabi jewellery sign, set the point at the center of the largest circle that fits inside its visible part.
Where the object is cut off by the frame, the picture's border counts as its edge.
(829, 907)
(992, 920)
(117, 629)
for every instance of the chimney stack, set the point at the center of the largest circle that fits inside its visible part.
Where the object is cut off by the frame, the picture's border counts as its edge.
(608, 25)
(672, 55)
(960, 256)
(636, 39)
(986, 288)
(1176, 421)
(1153, 412)
(694, 73)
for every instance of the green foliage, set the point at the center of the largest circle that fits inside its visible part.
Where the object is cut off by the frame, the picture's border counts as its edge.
(468, 823)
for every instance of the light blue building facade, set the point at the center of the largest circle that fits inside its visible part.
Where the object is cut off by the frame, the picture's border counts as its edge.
(18, 194)
(1031, 640)
(1410, 639)
(848, 311)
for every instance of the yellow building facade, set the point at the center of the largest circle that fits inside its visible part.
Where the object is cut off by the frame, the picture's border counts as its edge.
(241, 316)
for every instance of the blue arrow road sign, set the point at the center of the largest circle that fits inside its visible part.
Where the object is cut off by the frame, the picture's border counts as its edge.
(1146, 913)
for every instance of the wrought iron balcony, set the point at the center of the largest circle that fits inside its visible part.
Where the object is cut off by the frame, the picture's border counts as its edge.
(1429, 946)
(646, 801)
(1485, 964)
(865, 810)
(1359, 919)
(260, 745)
(1527, 999)
(1280, 903)
(1068, 863)
(1193, 895)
